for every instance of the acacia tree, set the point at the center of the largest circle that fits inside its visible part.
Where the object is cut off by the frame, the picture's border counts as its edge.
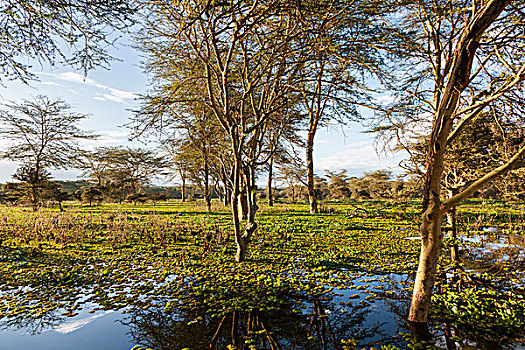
(465, 58)
(346, 46)
(122, 171)
(245, 56)
(41, 30)
(44, 135)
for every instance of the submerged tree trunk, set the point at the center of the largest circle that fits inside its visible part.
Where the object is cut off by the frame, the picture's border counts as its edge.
(312, 198)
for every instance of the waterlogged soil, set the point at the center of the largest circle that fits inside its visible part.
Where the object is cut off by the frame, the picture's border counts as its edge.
(163, 277)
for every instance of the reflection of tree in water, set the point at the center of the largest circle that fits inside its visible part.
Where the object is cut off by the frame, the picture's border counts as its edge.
(316, 324)
(33, 324)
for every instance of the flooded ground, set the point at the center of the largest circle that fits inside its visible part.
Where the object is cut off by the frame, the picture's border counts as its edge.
(120, 280)
(373, 313)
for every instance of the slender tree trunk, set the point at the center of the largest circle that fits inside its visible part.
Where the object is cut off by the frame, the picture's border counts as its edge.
(227, 196)
(243, 203)
(312, 198)
(227, 192)
(269, 186)
(240, 240)
(207, 195)
(453, 234)
(183, 189)
(251, 225)
(235, 329)
(458, 78)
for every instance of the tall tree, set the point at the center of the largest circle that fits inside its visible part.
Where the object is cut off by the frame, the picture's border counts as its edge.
(42, 30)
(245, 56)
(44, 135)
(346, 47)
(465, 59)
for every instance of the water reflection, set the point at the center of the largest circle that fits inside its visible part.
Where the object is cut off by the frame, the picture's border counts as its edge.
(297, 323)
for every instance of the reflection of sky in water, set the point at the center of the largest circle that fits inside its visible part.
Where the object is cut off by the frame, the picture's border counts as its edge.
(71, 326)
(86, 331)
(102, 330)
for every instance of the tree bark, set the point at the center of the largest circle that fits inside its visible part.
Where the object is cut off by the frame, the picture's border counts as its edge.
(431, 243)
(207, 195)
(312, 198)
(183, 189)
(269, 186)
(453, 234)
(433, 210)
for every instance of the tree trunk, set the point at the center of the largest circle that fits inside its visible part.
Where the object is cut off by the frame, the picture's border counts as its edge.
(243, 204)
(207, 195)
(183, 189)
(269, 186)
(312, 198)
(227, 196)
(453, 234)
(251, 195)
(431, 242)
(242, 243)
(458, 74)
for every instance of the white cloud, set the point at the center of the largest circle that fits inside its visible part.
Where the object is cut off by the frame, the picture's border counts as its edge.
(358, 158)
(385, 98)
(113, 98)
(114, 95)
(114, 133)
(122, 94)
(50, 83)
(107, 138)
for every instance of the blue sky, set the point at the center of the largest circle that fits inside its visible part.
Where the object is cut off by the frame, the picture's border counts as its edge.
(108, 96)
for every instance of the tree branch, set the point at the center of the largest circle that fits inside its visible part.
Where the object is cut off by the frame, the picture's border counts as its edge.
(514, 163)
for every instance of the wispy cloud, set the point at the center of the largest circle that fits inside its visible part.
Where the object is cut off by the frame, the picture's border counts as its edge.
(107, 138)
(51, 83)
(114, 133)
(114, 95)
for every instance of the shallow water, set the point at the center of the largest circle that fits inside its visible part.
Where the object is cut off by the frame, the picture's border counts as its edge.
(83, 332)
(367, 313)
